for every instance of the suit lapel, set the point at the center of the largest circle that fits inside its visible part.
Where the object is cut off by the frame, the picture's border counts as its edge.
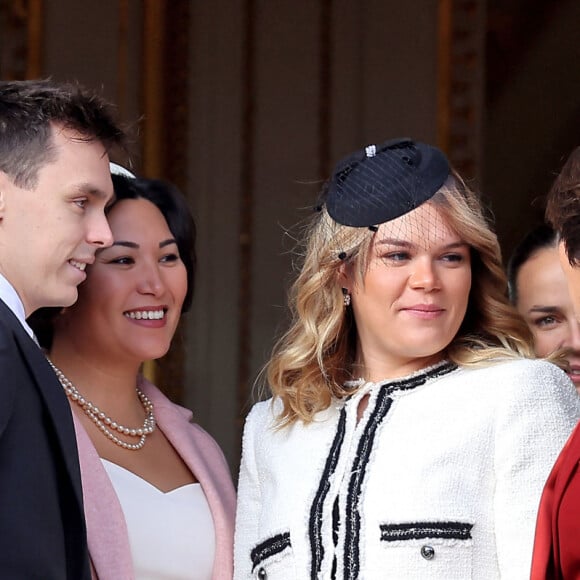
(53, 397)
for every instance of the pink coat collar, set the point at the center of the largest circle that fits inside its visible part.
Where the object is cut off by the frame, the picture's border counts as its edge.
(106, 529)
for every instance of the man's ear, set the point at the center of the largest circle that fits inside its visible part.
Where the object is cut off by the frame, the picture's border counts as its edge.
(5, 182)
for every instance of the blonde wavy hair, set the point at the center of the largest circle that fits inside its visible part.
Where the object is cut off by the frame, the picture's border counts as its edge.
(313, 359)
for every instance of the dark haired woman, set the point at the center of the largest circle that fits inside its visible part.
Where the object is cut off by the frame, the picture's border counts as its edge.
(159, 500)
(538, 289)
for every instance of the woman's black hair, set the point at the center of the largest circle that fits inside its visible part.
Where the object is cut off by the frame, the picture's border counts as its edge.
(537, 239)
(172, 204)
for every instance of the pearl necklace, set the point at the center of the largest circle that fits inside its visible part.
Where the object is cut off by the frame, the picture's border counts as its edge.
(104, 422)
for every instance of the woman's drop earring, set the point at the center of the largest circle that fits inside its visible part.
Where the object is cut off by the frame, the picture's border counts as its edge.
(346, 297)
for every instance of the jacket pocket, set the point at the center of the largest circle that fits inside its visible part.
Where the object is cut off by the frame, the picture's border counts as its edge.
(428, 549)
(273, 558)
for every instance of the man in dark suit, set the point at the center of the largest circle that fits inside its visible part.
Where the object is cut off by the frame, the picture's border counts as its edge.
(54, 186)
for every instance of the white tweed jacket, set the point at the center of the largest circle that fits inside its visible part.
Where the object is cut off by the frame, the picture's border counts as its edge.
(440, 479)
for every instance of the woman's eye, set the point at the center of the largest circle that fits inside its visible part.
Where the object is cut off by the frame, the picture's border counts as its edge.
(122, 260)
(545, 321)
(453, 258)
(170, 258)
(81, 202)
(396, 256)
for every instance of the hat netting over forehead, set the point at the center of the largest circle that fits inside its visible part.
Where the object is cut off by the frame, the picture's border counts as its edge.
(383, 182)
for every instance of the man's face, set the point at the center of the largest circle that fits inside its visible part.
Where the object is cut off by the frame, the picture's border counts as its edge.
(48, 234)
(572, 274)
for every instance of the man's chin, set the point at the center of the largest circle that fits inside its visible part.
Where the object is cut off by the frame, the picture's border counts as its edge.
(65, 299)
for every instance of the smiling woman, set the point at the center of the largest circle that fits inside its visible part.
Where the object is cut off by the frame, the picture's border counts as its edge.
(409, 430)
(158, 494)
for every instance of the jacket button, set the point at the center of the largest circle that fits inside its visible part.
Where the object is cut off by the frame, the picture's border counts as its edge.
(428, 552)
(262, 574)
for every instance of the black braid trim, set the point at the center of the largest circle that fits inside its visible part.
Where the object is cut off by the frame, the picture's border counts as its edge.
(421, 378)
(422, 530)
(270, 547)
(352, 519)
(315, 521)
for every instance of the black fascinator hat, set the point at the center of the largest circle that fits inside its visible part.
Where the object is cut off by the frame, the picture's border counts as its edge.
(383, 182)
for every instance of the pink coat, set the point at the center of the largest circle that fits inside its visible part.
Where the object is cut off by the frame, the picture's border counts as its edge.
(106, 529)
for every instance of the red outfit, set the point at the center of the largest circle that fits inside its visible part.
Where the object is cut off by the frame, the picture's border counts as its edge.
(557, 543)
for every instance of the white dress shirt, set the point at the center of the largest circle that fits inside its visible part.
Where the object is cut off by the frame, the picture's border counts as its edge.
(10, 297)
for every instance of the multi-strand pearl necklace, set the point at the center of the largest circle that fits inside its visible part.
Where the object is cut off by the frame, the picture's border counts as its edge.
(104, 422)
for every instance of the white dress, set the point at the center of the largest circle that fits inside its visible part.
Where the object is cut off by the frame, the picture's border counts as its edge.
(171, 534)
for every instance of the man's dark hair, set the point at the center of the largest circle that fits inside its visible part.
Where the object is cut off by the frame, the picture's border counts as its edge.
(563, 207)
(28, 112)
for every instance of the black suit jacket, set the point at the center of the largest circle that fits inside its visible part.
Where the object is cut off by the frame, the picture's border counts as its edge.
(42, 528)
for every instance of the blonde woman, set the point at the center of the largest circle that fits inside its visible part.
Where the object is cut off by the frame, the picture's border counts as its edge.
(408, 433)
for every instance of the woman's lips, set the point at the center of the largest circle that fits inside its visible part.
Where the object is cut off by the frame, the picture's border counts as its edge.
(424, 311)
